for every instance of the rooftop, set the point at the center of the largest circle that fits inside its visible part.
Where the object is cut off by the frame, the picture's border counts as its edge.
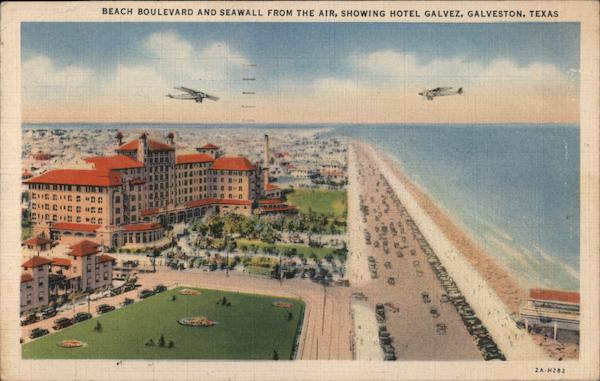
(153, 145)
(554, 295)
(142, 227)
(194, 158)
(38, 241)
(84, 248)
(26, 277)
(113, 162)
(209, 146)
(233, 163)
(36, 262)
(92, 177)
(75, 227)
(61, 262)
(105, 258)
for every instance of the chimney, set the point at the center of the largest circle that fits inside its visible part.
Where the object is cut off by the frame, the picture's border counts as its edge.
(171, 138)
(266, 163)
(142, 147)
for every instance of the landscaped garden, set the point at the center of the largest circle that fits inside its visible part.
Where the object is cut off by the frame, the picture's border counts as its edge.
(182, 324)
(320, 201)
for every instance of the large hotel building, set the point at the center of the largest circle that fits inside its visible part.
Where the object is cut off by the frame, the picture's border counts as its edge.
(129, 198)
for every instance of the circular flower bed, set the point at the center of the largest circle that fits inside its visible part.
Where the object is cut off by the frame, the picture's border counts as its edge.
(71, 344)
(197, 321)
(187, 291)
(282, 304)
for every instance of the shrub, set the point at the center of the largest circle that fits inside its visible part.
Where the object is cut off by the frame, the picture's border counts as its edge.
(98, 327)
(174, 298)
(290, 316)
(275, 355)
(149, 343)
(171, 344)
(228, 304)
(161, 341)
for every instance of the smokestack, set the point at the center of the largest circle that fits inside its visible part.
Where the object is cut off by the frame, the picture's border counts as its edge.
(267, 162)
(142, 148)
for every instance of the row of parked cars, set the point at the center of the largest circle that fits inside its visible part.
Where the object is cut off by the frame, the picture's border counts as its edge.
(385, 339)
(488, 348)
(373, 267)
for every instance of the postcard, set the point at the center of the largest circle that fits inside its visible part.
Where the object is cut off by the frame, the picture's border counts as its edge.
(299, 190)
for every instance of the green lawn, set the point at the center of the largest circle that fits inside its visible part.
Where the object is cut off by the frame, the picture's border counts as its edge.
(320, 252)
(320, 200)
(250, 329)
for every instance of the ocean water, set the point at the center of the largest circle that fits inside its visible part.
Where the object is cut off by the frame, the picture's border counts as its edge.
(514, 188)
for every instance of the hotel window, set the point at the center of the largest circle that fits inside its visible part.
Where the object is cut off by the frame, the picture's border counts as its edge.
(105, 274)
(99, 221)
(78, 209)
(28, 298)
(47, 196)
(240, 180)
(93, 199)
(117, 199)
(89, 267)
(240, 189)
(54, 218)
(69, 219)
(69, 208)
(41, 295)
(97, 277)
(78, 199)
(240, 197)
(99, 210)
(69, 198)
(93, 220)
(118, 210)
(229, 188)
(230, 196)
(78, 219)
(99, 200)
(93, 209)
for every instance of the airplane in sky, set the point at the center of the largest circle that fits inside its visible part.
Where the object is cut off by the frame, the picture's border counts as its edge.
(440, 92)
(191, 94)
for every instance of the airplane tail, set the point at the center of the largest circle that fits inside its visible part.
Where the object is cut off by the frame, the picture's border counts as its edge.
(460, 91)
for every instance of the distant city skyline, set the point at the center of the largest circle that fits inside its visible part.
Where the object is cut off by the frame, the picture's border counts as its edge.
(300, 72)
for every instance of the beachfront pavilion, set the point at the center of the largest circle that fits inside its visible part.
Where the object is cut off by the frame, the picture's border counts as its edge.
(551, 308)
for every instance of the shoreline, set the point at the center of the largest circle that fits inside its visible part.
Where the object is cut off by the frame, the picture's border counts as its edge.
(494, 295)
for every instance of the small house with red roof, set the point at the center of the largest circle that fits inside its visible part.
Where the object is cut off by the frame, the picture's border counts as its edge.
(210, 149)
(89, 268)
(39, 243)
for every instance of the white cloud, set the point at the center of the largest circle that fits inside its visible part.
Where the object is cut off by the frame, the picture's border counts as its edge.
(42, 78)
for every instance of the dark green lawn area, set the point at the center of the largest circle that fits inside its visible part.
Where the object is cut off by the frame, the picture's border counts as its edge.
(320, 201)
(320, 252)
(250, 329)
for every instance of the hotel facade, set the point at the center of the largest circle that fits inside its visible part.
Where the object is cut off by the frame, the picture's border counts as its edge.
(128, 198)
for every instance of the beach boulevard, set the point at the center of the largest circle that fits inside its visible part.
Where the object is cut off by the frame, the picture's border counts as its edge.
(489, 289)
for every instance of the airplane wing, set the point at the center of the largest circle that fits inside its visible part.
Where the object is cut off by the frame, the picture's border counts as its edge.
(212, 97)
(187, 90)
(438, 89)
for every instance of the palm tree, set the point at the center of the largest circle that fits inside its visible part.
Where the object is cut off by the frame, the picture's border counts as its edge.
(119, 137)
(155, 253)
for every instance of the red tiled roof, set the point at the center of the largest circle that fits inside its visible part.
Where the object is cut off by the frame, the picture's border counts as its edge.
(142, 227)
(194, 158)
(153, 145)
(209, 146)
(233, 163)
(232, 202)
(61, 262)
(26, 277)
(149, 212)
(38, 241)
(84, 248)
(75, 227)
(105, 258)
(113, 162)
(91, 177)
(26, 174)
(36, 262)
(271, 187)
(270, 201)
(554, 295)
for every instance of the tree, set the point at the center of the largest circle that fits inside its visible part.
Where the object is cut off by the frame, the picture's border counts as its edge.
(161, 341)
(155, 253)
(98, 327)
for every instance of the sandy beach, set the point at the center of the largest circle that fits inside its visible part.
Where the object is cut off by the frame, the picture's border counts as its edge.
(487, 287)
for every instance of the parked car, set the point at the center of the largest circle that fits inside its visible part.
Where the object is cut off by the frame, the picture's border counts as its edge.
(38, 332)
(146, 293)
(127, 301)
(48, 312)
(160, 288)
(29, 319)
(62, 323)
(104, 308)
(391, 281)
(434, 312)
(81, 316)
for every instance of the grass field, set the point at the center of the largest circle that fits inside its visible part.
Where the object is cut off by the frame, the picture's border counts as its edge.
(250, 329)
(320, 200)
(320, 252)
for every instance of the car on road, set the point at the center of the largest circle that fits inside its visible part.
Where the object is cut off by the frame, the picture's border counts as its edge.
(391, 281)
(425, 297)
(104, 308)
(81, 316)
(29, 319)
(387, 265)
(146, 293)
(38, 332)
(62, 323)
(160, 288)
(434, 312)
